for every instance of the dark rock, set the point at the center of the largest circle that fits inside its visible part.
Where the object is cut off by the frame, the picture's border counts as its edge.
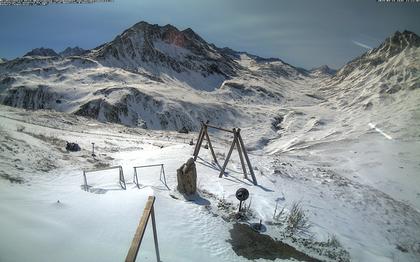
(72, 147)
(183, 130)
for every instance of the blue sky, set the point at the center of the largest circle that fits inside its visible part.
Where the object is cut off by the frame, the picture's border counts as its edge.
(305, 33)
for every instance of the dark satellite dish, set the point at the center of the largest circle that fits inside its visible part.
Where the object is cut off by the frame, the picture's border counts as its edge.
(242, 194)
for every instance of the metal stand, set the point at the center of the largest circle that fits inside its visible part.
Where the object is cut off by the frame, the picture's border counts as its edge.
(120, 171)
(161, 175)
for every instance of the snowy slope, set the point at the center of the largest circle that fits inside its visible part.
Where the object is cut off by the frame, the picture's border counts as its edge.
(367, 222)
(345, 145)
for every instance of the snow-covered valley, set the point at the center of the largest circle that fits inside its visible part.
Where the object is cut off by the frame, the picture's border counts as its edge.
(344, 145)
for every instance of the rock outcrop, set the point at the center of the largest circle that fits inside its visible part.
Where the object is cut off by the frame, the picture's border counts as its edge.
(187, 178)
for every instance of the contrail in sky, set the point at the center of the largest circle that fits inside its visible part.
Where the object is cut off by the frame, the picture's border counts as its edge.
(361, 45)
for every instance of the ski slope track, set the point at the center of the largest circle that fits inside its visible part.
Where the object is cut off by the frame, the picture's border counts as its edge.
(345, 144)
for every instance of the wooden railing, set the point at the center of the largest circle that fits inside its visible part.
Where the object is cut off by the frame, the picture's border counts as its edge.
(138, 236)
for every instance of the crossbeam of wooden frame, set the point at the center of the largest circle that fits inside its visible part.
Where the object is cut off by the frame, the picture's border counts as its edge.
(237, 141)
(141, 228)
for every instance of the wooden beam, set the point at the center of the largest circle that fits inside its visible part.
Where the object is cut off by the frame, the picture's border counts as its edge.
(199, 143)
(198, 140)
(211, 148)
(138, 236)
(219, 128)
(228, 156)
(238, 146)
(251, 171)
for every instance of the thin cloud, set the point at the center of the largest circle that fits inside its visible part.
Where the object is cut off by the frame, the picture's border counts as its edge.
(361, 45)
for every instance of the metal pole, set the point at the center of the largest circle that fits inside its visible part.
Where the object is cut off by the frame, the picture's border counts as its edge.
(84, 176)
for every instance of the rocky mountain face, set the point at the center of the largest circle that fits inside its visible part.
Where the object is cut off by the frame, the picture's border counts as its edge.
(393, 46)
(41, 52)
(167, 53)
(73, 51)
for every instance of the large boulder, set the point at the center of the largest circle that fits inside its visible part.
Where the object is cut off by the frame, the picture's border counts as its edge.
(187, 178)
(72, 147)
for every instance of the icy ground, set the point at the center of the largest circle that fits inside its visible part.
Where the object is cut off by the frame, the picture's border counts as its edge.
(46, 216)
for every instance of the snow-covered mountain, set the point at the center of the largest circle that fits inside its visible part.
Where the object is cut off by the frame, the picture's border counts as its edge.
(165, 78)
(265, 66)
(382, 86)
(169, 54)
(323, 70)
(41, 52)
(73, 51)
(149, 76)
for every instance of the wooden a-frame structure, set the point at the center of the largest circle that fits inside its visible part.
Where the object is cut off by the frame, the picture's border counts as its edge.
(237, 141)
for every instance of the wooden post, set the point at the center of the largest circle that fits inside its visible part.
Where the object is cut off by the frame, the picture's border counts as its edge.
(138, 236)
(211, 147)
(251, 171)
(228, 156)
(238, 146)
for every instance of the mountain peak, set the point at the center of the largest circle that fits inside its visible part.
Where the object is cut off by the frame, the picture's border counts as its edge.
(392, 46)
(324, 69)
(72, 51)
(398, 42)
(404, 39)
(155, 49)
(41, 52)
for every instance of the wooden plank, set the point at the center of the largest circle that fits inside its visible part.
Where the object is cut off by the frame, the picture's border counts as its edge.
(228, 156)
(238, 146)
(251, 171)
(141, 228)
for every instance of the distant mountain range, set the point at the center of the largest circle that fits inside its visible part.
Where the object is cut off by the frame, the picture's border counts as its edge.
(163, 78)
